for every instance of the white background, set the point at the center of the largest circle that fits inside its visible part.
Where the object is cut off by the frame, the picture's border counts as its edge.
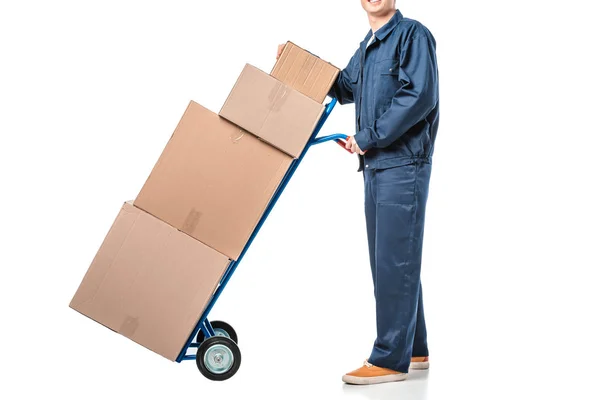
(91, 91)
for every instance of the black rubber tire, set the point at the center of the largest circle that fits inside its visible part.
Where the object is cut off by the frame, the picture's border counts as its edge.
(219, 325)
(206, 345)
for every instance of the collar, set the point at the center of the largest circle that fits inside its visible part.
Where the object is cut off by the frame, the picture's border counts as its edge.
(386, 29)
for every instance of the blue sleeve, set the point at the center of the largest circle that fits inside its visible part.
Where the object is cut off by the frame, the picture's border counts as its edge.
(415, 99)
(341, 90)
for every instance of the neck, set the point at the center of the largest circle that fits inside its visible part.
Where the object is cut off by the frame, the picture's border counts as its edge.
(377, 21)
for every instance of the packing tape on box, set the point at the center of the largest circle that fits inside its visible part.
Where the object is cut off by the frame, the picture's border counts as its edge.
(283, 95)
(278, 96)
(273, 94)
(129, 326)
(191, 221)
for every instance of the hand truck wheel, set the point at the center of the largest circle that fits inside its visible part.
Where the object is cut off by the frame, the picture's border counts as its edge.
(218, 358)
(222, 329)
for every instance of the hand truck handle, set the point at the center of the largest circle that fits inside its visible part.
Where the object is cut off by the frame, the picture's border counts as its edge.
(342, 142)
(339, 138)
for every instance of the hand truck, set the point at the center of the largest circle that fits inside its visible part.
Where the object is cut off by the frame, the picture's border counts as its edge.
(218, 356)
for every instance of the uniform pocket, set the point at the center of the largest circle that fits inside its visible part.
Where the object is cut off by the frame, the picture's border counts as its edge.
(389, 67)
(396, 185)
(394, 233)
(388, 83)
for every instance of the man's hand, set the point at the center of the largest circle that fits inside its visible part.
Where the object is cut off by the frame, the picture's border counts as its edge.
(353, 147)
(280, 50)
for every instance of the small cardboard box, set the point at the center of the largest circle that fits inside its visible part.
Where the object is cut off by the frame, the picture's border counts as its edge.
(271, 110)
(149, 282)
(213, 181)
(305, 72)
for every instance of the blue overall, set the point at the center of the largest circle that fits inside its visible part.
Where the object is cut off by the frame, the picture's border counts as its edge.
(393, 82)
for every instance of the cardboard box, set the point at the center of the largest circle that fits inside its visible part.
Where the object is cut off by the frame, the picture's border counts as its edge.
(271, 110)
(213, 181)
(149, 282)
(305, 72)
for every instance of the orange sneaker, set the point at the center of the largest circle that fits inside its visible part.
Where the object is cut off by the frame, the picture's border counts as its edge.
(419, 363)
(369, 374)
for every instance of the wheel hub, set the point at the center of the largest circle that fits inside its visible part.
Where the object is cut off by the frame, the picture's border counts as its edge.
(221, 332)
(218, 359)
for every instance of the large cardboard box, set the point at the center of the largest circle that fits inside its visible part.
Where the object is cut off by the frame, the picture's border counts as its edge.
(213, 180)
(272, 110)
(305, 72)
(149, 282)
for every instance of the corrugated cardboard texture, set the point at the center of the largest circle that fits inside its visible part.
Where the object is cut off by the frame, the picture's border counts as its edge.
(149, 282)
(271, 110)
(213, 181)
(305, 72)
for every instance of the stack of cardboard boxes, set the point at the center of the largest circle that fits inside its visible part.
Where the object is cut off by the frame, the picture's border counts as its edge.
(166, 252)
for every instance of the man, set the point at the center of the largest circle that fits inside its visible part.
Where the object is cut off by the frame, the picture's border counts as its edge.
(393, 81)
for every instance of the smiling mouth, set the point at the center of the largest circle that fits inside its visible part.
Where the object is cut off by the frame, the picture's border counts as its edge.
(374, 1)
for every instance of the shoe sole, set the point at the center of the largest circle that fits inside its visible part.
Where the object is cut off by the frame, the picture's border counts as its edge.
(419, 365)
(357, 380)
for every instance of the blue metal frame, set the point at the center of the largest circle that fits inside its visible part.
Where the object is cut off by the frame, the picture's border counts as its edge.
(323, 139)
(203, 323)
